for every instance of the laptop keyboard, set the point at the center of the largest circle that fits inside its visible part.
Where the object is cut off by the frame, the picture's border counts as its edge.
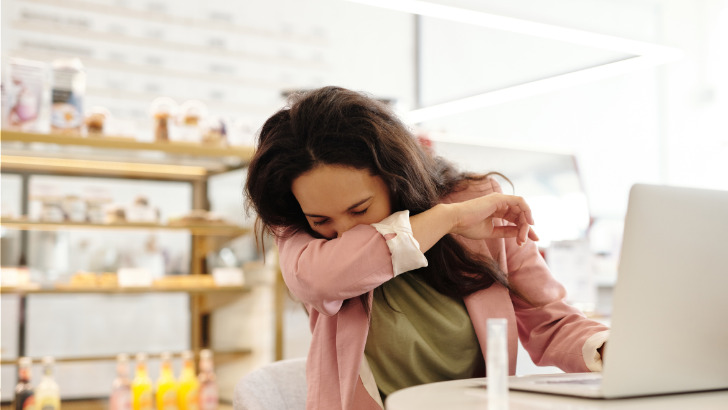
(590, 381)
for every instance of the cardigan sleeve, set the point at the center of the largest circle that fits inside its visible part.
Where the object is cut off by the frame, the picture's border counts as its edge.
(323, 273)
(553, 332)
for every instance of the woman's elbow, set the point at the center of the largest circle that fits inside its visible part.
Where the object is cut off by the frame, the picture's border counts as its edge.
(317, 294)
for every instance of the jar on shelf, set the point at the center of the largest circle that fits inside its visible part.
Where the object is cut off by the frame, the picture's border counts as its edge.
(163, 109)
(95, 121)
(192, 113)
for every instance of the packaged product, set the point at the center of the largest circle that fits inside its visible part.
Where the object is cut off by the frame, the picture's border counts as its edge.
(69, 87)
(25, 96)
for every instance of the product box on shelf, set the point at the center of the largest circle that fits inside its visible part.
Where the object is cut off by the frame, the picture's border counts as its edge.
(26, 96)
(69, 86)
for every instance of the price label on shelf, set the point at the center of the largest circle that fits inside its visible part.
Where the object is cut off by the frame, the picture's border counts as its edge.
(228, 276)
(134, 277)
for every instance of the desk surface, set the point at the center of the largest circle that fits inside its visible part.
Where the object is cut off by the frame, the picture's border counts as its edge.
(470, 394)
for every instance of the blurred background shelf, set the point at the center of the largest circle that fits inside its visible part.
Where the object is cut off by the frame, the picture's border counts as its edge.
(124, 157)
(178, 312)
(128, 143)
(66, 289)
(220, 229)
(221, 357)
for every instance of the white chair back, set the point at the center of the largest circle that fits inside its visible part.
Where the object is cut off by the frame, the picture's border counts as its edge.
(280, 385)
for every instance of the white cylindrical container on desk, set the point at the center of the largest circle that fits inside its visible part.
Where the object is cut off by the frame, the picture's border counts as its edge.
(497, 364)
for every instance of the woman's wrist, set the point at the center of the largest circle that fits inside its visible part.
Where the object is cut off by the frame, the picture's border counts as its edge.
(430, 226)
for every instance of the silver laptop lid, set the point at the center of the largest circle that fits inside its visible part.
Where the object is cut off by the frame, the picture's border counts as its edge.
(670, 318)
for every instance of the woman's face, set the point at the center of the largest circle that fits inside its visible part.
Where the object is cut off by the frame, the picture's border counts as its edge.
(336, 198)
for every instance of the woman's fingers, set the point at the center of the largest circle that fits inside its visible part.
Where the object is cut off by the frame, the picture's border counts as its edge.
(511, 209)
(522, 212)
(523, 233)
(513, 231)
(508, 231)
(514, 209)
(532, 235)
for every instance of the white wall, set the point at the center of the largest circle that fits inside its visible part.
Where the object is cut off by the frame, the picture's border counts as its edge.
(234, 57)
(658, 125)
(695, 94)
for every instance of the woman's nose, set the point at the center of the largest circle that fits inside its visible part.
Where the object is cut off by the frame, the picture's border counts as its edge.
(344, 225)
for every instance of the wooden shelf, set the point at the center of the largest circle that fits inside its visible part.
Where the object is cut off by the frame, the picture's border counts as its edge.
(111, 142)
(198, 229)
(120, 157)
(100, 403)
(66, 289)
(220, 356)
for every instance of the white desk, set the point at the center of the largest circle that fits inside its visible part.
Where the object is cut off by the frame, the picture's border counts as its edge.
(470, 394)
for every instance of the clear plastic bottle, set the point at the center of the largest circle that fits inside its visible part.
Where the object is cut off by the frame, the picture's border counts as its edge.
(189, 387)
(167, 385)
(121, 387)
(209, 396)
(48, 394)
(497, 363)
(141, 386)
(24, 398)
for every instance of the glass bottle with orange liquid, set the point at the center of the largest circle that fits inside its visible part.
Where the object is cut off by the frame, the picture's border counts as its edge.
(167, 388)
(189, 387)
(141, 386)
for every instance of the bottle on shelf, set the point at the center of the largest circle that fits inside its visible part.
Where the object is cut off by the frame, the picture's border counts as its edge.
(141, 386)
(209, 396)
(48, 394)
(121, 386)
(189, 387)
(167, 385)
(24, 397)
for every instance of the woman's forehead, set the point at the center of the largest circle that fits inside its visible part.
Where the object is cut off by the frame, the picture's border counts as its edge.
(333, 189)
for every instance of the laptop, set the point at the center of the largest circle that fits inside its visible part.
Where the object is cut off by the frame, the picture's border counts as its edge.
(669, 328)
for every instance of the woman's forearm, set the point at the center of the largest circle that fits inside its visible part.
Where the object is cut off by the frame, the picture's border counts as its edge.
(430, 226)
(473, 219)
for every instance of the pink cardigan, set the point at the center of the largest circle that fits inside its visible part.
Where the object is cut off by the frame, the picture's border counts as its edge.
(329, 275)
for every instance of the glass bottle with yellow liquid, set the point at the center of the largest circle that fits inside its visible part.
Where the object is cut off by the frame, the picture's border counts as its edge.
(47, 394)
(167, 388)
(189, 387)
(141, 386)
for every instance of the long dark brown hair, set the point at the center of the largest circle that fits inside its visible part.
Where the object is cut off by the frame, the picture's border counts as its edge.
(335, 126)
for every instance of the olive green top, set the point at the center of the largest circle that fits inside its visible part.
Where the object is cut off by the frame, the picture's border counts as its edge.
(423, 337)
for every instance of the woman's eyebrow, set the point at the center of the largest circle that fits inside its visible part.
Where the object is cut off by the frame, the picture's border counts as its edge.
(348, 209)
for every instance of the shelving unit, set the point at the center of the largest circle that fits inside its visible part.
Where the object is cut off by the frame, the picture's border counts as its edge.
(29, 154)
(242, 154)
(196, 229)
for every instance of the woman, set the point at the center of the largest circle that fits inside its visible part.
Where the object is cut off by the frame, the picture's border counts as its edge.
(399, 259)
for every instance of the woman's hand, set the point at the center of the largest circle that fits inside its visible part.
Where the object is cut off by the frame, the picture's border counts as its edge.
(473, 219)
